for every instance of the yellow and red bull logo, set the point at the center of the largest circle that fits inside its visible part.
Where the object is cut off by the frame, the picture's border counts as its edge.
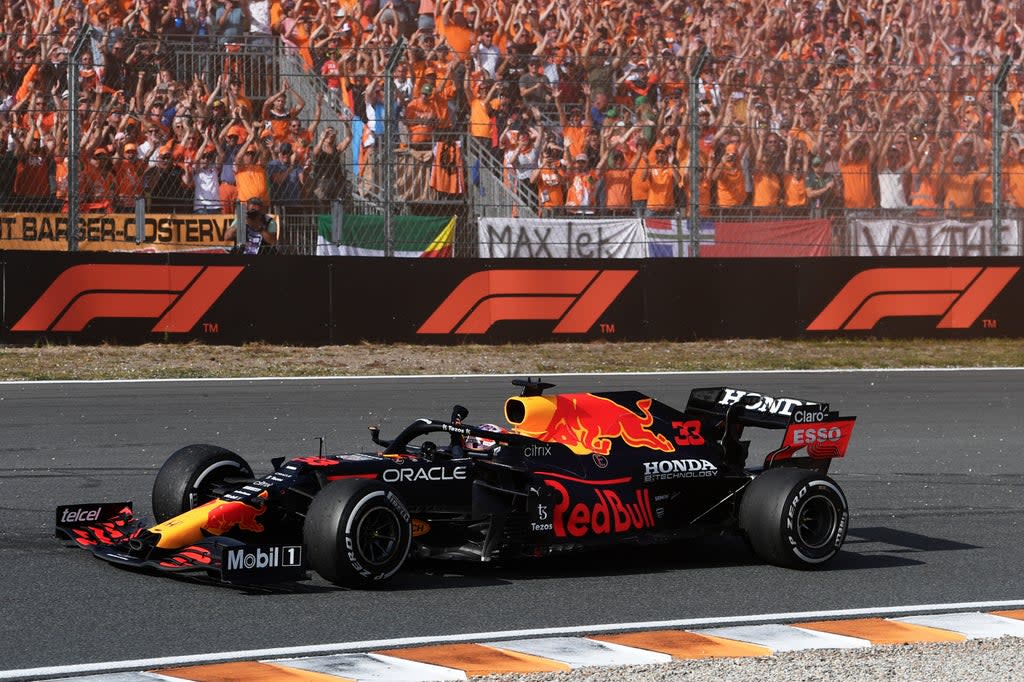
(585, 423)
(216, 517)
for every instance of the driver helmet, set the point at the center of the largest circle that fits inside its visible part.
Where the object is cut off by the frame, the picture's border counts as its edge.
(478, 444)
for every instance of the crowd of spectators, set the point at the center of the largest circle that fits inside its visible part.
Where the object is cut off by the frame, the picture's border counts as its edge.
(804, 107)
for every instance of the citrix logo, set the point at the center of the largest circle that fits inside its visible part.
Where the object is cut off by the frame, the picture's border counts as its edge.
(537, 451)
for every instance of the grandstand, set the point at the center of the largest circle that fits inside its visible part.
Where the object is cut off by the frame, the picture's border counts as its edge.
(750, 110)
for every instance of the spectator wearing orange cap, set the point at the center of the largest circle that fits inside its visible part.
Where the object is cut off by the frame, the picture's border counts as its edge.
(127, 177)
(663, 176)
(230, 141)
(729, 178)
(617, 173)
(549, 179)
(96, 184)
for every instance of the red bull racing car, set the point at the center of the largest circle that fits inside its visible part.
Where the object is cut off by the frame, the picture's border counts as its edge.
(572, 471)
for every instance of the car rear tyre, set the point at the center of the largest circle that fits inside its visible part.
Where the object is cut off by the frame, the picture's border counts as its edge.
(357, 533)
(193, 476)
(794, 517)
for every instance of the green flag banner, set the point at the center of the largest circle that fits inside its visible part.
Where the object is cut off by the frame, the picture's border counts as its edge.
(363, 235)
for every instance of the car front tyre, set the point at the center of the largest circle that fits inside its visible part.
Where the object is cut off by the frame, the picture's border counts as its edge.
(357, 533)
(193, 476)
(794, 517)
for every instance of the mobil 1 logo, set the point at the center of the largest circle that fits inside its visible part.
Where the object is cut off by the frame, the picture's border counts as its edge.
(262, 563)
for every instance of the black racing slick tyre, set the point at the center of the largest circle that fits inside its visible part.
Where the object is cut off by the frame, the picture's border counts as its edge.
(794, 517)
(357, 533)
(194, 475)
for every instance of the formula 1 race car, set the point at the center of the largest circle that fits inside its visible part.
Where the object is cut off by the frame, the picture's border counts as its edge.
(575, 470)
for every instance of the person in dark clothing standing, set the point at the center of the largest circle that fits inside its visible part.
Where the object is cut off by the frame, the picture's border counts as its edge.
(165, 186)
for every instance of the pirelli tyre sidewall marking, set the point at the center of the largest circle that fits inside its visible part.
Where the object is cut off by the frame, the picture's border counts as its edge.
(823, 493)
(390, 503)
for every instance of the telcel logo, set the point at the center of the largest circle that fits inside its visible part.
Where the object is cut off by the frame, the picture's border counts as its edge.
(80, 515)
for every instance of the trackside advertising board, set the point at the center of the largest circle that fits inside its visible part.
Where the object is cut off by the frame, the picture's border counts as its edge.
(117, 232)
(307, 300)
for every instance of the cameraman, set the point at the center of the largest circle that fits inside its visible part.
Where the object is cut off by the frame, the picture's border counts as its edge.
(260, 230)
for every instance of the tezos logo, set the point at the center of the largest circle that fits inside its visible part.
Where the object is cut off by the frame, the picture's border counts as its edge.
(249, 558)
(80, 515)
(537, 451)
(427, 474)
(669, 469)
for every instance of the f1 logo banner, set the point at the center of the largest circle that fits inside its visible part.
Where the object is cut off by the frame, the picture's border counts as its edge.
(178, 295)
(957, 295)
(575, 298)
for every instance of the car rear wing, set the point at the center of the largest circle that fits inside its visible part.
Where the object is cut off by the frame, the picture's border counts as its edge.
(751, 408)
(809, 424)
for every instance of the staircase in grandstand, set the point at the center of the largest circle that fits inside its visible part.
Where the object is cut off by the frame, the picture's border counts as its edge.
(493, 198)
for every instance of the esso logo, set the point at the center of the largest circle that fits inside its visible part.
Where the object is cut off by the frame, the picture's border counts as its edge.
(807, 417)
(821, 434)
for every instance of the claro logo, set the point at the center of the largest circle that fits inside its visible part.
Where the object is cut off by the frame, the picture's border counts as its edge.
(957, 295)
(576, 298)
(176, 294)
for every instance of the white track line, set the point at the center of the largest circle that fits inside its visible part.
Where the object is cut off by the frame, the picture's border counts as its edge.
(517, 375)
(365, 645)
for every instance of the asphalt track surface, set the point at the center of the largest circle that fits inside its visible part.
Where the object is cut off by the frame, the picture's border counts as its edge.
(934, 476)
